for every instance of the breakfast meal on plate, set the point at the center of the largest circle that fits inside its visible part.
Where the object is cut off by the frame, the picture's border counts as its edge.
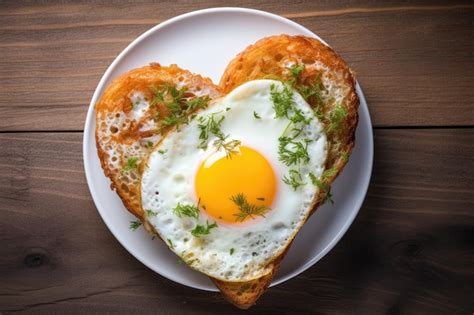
(227, 175)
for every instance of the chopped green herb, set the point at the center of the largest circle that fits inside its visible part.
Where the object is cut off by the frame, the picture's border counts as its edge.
(211, 125)
(174, 120)
(257, 116)
(201, 230)
(175, 93)
(296, 70)
(151, 213)
(231, 251)
(298, 117)
(197, 103)
(323, 186)
(132, 163)
(282, 100)
(162, 151)
(294, 179)
(178, 104)
(183, 260)
(292, 152)
(318, 113)
(330, 173)
(315, 181)
(247, 209)
(158, 95)
(134, 225)
(328, 196)
(208, 125)
(336, 116)
(149, 144)
(170, 243)
(345, 156)
(312, 92)
(186, 210)
(229, 146)
(227, 109)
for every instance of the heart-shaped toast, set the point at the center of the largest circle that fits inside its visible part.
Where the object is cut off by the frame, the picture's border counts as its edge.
(227, 175)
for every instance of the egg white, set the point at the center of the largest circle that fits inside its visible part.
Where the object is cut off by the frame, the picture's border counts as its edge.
(168, 179)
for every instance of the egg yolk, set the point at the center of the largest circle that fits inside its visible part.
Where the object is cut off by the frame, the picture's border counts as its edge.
(219, 179)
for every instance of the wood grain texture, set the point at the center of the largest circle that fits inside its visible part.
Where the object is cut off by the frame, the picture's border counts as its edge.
(413, 59)
(411, 248)
(409, 251)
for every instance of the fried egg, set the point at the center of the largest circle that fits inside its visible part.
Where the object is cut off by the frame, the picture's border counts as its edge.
(228, 191)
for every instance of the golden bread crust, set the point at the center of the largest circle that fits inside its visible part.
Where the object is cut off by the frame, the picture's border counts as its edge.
(272, 58)
(244, 294)
(120, 135)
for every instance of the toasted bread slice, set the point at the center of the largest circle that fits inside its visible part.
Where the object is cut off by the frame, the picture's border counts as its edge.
(131, 117)
(328, 85)
(244, 294)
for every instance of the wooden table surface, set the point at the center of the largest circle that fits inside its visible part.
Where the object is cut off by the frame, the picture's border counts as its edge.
(409, 251)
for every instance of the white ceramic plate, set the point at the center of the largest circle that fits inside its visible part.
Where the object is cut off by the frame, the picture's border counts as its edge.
(204, 42)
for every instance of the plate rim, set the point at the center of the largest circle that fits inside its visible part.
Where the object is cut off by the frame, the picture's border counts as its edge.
(101, 85)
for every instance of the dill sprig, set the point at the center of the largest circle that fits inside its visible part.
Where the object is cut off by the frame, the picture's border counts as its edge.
(323, 183)
(318, 113)
(201, 230)
(134, 225)
(189, 262)
(312, 92)
(336, 116)
(132, 163)
(229, 146)
(247, 209)
(197, 103)
(294, 179)
(158, 95)
(329, 173)
(186, 258)
(151, 213)
(211, 125)
(345, 156)
(296, 70)
(298, 117)
(192, 211)
(309, 92)
(174, 120)
(282, 100)
(178, 103)
(292, 152)
(188, 210)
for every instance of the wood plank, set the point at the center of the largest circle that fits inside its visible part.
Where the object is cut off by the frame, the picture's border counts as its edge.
(409, 250)
(414, 61)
